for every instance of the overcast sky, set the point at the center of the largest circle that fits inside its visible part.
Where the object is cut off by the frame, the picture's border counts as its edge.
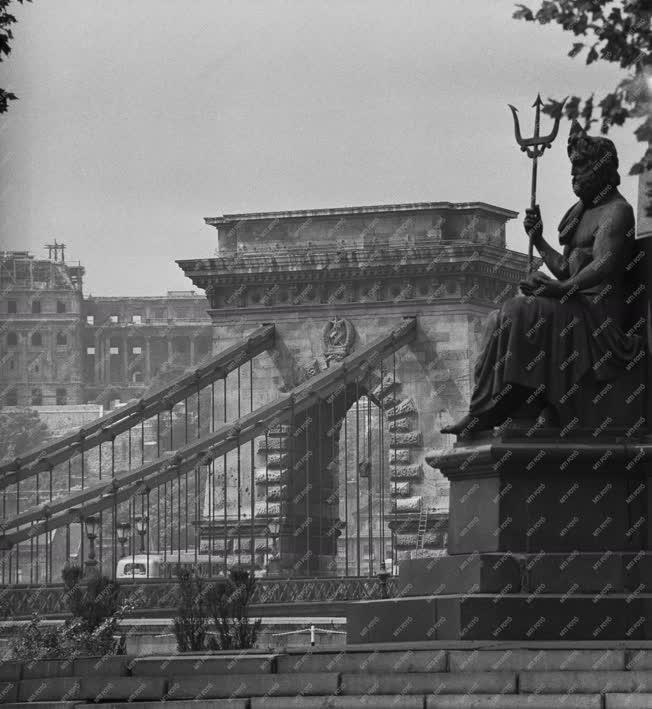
(138, 119)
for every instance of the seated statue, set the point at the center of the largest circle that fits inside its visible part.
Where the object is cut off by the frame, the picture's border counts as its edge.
(565, 336)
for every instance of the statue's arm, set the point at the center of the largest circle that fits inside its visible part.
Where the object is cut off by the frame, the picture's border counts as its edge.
(557, 264)
(608, 250)
(533, 225)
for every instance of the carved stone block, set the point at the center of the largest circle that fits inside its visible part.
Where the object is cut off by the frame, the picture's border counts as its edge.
(400, 424)
(401, 489)
(388, 383)
(283, 429)
(269, 477)
(411, 439)
(404, 541)
(277, 460)
(276, 493)
(407, 504)
(404, 407)
(399, 455)
(272, 445)
(406, 472)
(273, 509)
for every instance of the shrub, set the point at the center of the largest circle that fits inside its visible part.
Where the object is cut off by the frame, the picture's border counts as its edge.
(191, 623)
(229, 605)
(93, 600)
(226, 601)
(93, 629)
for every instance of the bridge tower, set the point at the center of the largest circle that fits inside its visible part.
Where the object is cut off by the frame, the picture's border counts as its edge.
(331, 280)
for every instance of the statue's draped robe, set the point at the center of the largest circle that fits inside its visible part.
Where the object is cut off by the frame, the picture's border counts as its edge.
(552, 345)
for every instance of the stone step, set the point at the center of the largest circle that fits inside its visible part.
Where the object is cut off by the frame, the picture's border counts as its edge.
(582, 682)
(95, 689)
(165, 666)
(638, 659)
(627, 701)
(47, 705)
(233, 703)
(116, 666)
(335, 702)
(291, 684)
(365, 661)
(514, 701)
(545, 660)
(398, 683)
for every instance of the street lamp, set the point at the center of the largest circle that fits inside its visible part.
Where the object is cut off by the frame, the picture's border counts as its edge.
(273, 565)
(92, 524)
(124, 533)
(141, 523)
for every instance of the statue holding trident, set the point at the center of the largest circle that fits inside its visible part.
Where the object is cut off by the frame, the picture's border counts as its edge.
(562, 343)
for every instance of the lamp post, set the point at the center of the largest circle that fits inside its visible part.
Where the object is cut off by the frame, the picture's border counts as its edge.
(206, 482)
(141, 524)
(273, 564)
(383, 576)
(92, 523)
(124, 533)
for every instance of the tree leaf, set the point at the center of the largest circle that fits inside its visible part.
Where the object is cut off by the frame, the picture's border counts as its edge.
(523, 13)
(577, 48)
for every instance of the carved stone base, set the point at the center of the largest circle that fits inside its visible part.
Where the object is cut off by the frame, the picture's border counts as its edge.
(549, 539)
(492, 617)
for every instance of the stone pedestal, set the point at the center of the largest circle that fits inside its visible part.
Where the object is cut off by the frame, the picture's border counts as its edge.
(548, 539)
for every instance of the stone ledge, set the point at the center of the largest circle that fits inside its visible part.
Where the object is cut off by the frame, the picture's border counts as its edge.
(584, 682)
(399, 661)
(11, 670)
(284, 685)
(335, 702)
(47, 668)
(49, 689)
(519, 701)
(519, 660)
(169, 704)
(627, 701)
(47, 705)
(429, 683)
(203, 665)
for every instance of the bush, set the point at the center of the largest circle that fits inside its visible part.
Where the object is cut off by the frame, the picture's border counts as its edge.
(191, 623)
(226, 601)
(94, 602)
(229, 606)
(93, 629)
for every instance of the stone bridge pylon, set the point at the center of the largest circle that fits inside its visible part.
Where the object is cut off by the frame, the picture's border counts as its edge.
(331, 281)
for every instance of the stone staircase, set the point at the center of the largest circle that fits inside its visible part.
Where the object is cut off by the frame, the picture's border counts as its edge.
(414, 676)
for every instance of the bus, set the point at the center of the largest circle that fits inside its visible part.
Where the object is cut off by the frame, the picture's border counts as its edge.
(158, 565)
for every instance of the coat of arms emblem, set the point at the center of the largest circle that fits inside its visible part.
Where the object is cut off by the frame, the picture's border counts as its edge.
(338, 337)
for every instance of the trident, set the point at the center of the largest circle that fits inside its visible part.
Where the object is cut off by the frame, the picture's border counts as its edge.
(534, 148)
